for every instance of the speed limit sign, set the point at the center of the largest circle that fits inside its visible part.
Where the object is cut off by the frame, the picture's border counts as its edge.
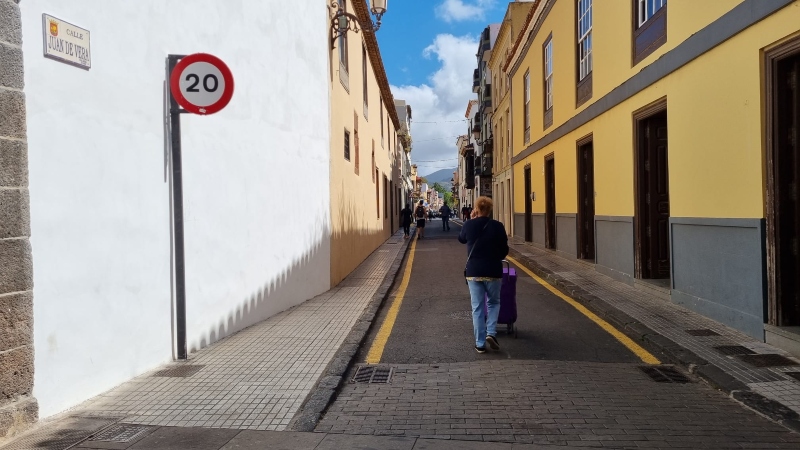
(201, 83)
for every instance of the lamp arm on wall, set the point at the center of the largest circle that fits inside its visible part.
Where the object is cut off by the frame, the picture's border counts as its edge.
(342, 21)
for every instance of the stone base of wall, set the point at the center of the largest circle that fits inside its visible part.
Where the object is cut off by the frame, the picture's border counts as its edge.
(17, 417)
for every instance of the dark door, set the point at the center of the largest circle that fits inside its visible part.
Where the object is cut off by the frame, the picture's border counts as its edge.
(787, 174)
(550, 202)
(528, 206)
(586, 202)
(654, 197)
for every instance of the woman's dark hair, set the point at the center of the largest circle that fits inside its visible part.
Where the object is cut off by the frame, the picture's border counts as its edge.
(408, 205)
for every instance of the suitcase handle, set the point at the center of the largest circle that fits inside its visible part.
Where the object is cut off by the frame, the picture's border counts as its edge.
(508, 265)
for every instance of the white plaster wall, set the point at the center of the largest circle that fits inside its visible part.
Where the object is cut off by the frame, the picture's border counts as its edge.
(100, 207)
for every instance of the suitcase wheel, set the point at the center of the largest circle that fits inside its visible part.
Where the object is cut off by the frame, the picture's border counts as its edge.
(511, 329)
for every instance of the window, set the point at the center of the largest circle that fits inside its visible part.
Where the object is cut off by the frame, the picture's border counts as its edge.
(381, 122)
(377, 195)
(584, 86)
(385, 197)
(649, 27)
(548, 82)
(346, 145)
(343, 40)
(355, 138)
(527, 105)
(364, 78)
(508, 133)
(373, 160)
(584, 38)
(646, 9)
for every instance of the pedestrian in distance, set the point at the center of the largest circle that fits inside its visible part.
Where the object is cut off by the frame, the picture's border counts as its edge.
(445, 211)
(405, 220)
(487, 246)
(469, 211)
(464, 213)
(419, 214)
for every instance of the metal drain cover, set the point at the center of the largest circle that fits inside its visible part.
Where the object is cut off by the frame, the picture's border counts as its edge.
(731, 350)
(61, 435)
(178, 371)
(122, 433)
(703, 332)
(373, 374)
(460, 315)
(767, 360)
(664, 374)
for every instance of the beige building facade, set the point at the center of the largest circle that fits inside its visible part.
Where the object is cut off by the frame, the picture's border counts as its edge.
(512, 24)
(366, 151)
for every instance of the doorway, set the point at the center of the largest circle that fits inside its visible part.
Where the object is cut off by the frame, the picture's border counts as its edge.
(652, 192)
(528, 205)
(550, 201)
(783, 176)
(586, 199)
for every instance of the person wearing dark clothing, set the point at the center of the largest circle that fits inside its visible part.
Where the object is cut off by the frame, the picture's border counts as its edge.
(419, 214)
(445, 211)
(405, 220)
(487, 246)
(464, 213)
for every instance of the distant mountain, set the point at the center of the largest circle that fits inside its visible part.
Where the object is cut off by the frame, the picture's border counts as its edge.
(440, 176)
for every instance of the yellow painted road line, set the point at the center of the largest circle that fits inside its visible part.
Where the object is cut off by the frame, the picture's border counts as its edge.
(379, 344)
(637, 350)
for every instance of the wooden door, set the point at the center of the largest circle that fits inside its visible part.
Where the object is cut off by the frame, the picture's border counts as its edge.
(787, 176)
(654, 197)
(528, 205)
(550, 202)
(586, 201)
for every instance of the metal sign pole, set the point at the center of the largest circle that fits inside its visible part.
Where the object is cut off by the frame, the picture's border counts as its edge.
(177, 199)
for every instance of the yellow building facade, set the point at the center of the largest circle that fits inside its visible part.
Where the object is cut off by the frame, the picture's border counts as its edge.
(648, 138)
(366, 187)
(514, 20)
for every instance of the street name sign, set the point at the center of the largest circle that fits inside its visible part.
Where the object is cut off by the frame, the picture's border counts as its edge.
(201, 83)
(66, 42)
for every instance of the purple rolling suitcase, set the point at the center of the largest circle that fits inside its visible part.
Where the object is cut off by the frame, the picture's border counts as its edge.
(508, 299)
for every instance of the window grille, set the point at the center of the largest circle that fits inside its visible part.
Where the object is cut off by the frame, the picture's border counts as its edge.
(347, 145)
(527, 113)
(647, 8)
(548, 74)
(584, 38)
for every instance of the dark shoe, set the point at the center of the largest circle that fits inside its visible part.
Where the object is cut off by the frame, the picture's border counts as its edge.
(492, 341)
(480, 349)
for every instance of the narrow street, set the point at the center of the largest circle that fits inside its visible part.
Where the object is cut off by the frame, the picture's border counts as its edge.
(563, 380)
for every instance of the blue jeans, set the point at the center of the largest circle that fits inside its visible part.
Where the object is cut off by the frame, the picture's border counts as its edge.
(482, 325)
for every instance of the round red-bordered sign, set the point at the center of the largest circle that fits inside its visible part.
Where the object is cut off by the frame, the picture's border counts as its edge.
(201, 83)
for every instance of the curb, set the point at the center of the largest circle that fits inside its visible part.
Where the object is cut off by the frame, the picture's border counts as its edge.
(672, 351)
(324, 392)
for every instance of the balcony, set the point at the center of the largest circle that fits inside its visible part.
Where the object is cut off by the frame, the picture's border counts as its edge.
(478, 166)
(476, 81)
(486, 164)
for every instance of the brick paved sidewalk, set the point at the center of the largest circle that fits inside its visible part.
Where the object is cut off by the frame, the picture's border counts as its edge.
(259, 378)
(660, 324)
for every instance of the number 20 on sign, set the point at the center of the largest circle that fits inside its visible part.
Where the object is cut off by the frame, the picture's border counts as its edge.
(201, 84)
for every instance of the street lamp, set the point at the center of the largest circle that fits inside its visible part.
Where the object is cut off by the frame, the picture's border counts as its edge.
(476, 133)
(343, 20)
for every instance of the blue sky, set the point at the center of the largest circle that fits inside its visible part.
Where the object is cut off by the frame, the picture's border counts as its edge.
(428, 49)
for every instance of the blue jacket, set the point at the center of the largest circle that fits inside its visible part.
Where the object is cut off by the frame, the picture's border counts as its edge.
(491, 247)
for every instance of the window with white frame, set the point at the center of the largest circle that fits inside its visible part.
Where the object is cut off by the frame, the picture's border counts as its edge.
(548, 75)
(527, 103)
(343, 61)
(647, 8)
(584, 38)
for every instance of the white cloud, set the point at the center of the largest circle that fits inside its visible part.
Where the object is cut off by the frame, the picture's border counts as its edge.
(458, 10)
(442, 100)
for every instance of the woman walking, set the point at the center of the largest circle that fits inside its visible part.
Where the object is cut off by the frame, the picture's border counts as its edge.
(487, 246)
(405, 220)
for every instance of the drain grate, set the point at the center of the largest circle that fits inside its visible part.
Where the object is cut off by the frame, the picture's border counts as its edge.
(795, 375)
(373, 374)
(121, 433)
(461, 315)
(178, 371)
(767, 360)
(664, 374)
(61, 435)
(731, 350)
(703, 332)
